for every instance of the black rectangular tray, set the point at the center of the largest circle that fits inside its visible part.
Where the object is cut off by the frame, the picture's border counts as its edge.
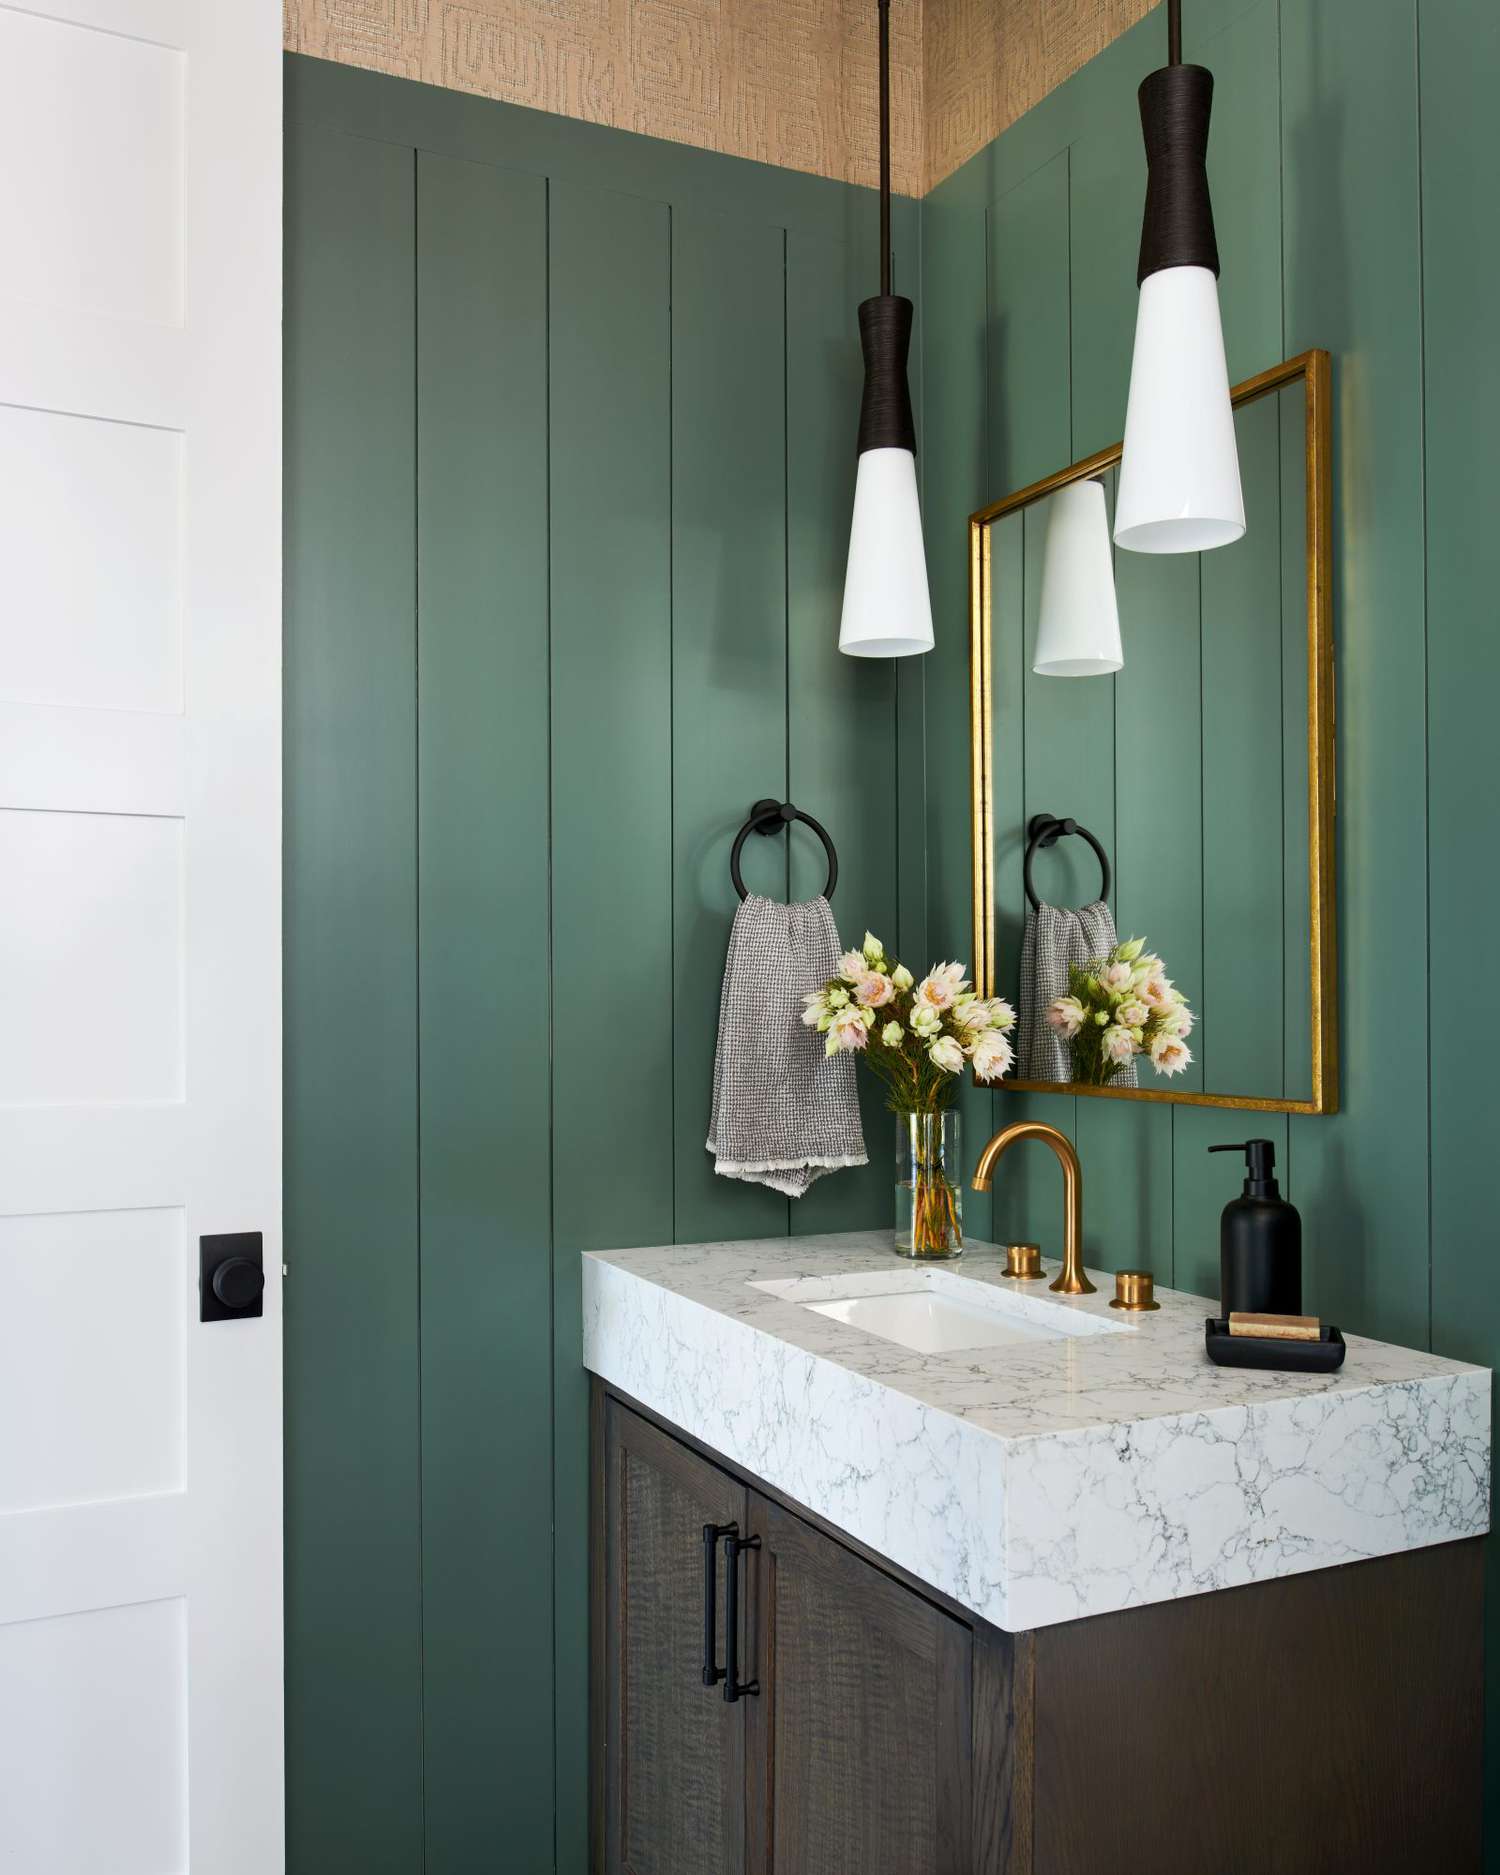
(1322, 1356)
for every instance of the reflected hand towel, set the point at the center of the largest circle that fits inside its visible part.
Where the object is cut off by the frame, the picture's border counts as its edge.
(1054, 939)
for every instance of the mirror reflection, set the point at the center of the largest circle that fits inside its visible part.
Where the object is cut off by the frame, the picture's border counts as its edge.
(1153, 779)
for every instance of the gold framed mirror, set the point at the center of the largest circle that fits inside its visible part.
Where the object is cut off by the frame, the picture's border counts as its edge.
(1203, 769)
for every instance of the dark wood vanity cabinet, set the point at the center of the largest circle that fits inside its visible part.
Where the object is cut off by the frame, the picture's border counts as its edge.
(674, 1777)
(856, 1748)
(1320, 1722)
(853, 1752)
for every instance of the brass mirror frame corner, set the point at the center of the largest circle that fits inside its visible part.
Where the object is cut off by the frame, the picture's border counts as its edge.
(1313, 368)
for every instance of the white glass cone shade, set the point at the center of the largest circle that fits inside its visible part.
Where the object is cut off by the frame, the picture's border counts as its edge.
(887, 611)
(1078, 628)
(1180, 471)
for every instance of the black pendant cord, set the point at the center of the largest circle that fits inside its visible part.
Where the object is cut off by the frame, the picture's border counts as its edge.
(885, 146)
(1174, 32)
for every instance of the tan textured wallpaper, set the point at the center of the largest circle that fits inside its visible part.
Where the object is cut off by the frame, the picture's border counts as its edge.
(791, 82)
(986, 62)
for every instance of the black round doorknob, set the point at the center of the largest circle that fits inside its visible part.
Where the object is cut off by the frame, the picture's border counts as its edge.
(238, 1282)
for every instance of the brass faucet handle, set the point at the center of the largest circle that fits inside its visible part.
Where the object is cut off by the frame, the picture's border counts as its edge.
(1133, 1291)
(1024, 1261)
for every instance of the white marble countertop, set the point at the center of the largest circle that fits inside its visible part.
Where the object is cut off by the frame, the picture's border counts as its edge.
(1044, 1481)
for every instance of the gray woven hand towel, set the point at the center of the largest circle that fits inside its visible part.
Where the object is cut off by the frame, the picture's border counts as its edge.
(1054, 939)
(782, 1114)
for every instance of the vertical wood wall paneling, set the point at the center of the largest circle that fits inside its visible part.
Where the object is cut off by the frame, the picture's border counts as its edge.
(954, 473)
(728, 654)
(1028, 394)
(1159, 769)
(1010, 636)
(1029, 435)
(611, 503)
(485, 1113)
(1239, 1049)
(611, 551)
(1106, 190)
(1460, 75)
(841, 711)
(1352, 257)
(1244, 159)
(1296, 895)
(353, 1673)
(909, 935)
(1244, 176)
(1246, 167)
(1126, 1147)
(600, 487)
(1239, 1037)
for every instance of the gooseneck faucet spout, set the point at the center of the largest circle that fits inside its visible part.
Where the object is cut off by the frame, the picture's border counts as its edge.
(1070, 1280)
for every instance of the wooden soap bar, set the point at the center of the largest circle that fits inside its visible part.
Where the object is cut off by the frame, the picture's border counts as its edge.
(1277, 1327)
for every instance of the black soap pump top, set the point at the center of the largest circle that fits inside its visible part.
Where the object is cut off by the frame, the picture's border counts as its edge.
(1260, 1240)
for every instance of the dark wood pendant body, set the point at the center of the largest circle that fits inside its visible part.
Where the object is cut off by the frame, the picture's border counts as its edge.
(1178, 226)
(885, 418)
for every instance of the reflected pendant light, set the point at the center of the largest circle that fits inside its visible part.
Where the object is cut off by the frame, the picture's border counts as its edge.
(1078, 622)
(887, 610)
(1180, 472)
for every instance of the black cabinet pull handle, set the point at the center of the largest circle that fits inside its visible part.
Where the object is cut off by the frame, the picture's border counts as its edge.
(712, 1672)
(734, 1548)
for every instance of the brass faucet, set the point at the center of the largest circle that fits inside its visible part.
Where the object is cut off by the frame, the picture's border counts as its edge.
(1070, 1280)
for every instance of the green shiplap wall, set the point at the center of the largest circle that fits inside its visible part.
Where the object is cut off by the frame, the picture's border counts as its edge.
(1348, 147)
(353, 1426)
(569, 416)
(569, 466)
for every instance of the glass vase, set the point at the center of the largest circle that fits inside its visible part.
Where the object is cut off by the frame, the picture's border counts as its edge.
(929, 1185)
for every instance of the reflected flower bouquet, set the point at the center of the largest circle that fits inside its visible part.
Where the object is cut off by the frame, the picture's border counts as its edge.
(1118, 1007)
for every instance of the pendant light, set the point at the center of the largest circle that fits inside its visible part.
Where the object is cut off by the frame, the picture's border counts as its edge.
(1078, 622)
(1180, 473)
(887, 610)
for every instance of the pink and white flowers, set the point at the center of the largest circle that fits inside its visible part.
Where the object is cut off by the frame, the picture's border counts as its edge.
(875, 990)
(992, 1056)
(925, 1033)
(1169, 1053)
(1118, 1007)
(1118, 1045)
(938, 989)
(947, 1053)
(1066, 1016)
(848, 1027)
(853, 968)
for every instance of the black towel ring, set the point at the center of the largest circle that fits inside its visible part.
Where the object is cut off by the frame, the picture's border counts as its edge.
(770, 817)
(1047, 830)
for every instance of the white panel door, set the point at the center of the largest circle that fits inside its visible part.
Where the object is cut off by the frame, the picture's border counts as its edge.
(140, 993)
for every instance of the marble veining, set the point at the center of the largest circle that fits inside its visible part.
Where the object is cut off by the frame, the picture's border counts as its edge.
(1047, 1480)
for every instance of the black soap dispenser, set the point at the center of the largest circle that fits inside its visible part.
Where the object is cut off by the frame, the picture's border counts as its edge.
(1260, 1240)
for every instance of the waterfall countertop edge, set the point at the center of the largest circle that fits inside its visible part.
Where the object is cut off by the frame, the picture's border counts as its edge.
(1051, 1480)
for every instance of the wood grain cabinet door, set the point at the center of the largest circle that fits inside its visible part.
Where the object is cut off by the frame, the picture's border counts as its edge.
(858, 1746)
(674, 1795)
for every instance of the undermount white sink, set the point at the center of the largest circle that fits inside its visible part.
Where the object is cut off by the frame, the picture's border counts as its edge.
(937, 1311)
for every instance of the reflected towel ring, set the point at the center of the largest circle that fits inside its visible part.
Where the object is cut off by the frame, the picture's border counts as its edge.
(771, 816)
(1047, 830)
